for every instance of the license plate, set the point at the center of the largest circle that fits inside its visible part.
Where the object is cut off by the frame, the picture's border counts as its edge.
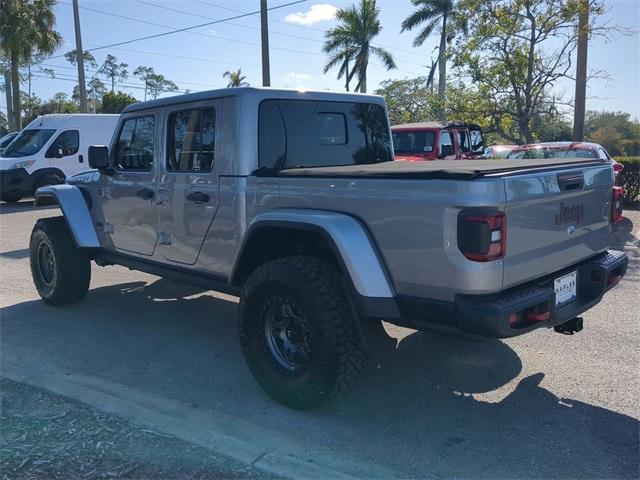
(565, 288)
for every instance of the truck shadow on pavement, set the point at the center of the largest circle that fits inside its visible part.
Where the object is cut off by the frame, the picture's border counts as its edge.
(413, 410)
(23, 206)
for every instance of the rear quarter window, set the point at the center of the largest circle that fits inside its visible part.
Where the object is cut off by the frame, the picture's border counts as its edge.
(303, 133)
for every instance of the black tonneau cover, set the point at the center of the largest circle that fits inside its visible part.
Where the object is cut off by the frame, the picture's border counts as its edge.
(441, 169)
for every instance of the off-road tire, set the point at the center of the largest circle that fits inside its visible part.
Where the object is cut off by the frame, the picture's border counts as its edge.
(11, 198)
(336, 355)
(68, 281)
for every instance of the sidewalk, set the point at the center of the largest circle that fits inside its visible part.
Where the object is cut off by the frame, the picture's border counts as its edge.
(43, 435)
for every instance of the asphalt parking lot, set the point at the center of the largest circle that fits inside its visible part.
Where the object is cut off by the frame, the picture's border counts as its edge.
(430, 406)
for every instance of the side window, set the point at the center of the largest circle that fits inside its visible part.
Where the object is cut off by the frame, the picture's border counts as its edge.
(272, 136)
(602, 153)
(463, 140)
(66, 144)
(307, 133)
(445, 139)
(191, 140)
(477, 143)
(332, 128)
(134, 148)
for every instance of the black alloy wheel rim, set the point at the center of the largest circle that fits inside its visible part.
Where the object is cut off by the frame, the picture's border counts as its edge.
(287, 334)
(46, 263)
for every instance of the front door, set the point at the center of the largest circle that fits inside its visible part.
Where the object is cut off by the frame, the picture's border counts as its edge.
(188, 188)
(64, 153)
(130, 193)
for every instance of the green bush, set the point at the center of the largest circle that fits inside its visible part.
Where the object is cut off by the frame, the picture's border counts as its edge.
(629, 178)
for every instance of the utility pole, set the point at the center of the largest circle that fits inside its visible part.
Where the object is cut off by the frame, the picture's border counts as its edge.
(581, 73)
(80, 57)
(264, 27)
(7, 91)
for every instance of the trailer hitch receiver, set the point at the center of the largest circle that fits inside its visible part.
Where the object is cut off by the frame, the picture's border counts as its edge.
(569, 328)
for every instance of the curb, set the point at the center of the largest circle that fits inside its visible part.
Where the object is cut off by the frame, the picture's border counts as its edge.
(222, 436)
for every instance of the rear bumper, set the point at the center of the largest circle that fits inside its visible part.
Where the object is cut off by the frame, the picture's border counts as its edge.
(523, 308)
(16, 181)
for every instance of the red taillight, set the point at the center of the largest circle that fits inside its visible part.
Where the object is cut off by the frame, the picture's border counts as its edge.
(483, 238)
(618, 167)
(616, 204)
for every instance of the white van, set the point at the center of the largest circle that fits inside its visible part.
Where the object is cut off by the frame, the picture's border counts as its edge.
(49, 149)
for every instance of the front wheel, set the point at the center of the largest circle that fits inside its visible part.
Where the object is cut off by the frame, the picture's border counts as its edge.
(61, 271)
(297, 332)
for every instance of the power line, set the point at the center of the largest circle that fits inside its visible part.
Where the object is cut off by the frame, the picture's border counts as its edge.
(93, 72)
(304, 52)
(184, 29)
(271, 31)
(306, 27)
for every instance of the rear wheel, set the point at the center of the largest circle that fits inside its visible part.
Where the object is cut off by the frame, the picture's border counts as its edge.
(297, 333)
(61, 272)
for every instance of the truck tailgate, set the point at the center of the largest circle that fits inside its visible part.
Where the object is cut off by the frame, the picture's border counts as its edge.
(555, 219)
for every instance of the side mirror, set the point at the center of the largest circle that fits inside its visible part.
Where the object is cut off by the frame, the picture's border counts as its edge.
(99, 157)
(59, 153)
(445, 151)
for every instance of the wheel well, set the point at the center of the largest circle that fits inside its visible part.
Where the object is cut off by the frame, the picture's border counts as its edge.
(271, 242)
(48, 172)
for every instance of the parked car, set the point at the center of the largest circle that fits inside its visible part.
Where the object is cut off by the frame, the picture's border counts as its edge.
(292, 201)
(6, 140)
(49, 149)
(574, 150)
(499, 151)
(437, 141)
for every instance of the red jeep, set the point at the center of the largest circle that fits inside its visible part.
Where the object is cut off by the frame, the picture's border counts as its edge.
(437, 141)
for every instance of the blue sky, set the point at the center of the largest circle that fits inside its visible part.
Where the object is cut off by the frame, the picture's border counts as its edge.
(197, 60)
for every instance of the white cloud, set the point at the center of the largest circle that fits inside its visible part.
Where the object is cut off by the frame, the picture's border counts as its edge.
(316, 13)
(296, 79)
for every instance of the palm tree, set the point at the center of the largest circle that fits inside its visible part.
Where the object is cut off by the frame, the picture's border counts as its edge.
(434, 13)
(26, 29)
(341, 55)
(351, 40)
(236, 79)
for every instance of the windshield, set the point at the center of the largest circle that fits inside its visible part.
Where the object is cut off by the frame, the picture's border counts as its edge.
(553, 153)
(413, 142)
(29, 142)
(6, 140)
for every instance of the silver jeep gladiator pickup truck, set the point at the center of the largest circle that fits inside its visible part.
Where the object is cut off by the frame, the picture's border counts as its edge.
(292, 201)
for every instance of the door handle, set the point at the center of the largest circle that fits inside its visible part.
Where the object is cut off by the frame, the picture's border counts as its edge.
(198, 197)
(145, 194)
(80, 158)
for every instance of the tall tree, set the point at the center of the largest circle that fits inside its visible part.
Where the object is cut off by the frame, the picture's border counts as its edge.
(143, 73)
(236, 79)
(340, 55)
(353, 39)
(517, 50)
(89, 59)
(580, 100)
(154, 83)
(27, 28)
(114, 70)
(115, 102)
(430, 14)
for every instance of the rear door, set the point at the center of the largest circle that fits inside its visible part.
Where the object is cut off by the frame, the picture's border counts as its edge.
(188, 189)
(555, 219)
